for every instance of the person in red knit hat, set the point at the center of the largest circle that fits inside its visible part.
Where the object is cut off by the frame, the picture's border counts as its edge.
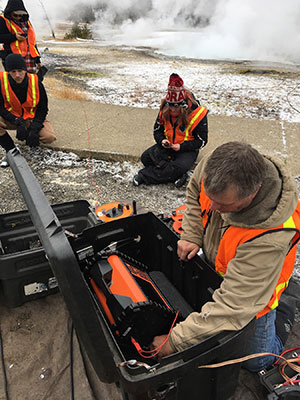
(180, 131)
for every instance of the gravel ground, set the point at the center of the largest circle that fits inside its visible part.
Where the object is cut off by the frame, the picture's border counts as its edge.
(64, 177)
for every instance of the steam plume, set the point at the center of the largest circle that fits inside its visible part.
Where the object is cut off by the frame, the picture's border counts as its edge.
(207, 29)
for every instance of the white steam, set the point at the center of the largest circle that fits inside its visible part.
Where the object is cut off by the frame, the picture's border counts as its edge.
(208, 29)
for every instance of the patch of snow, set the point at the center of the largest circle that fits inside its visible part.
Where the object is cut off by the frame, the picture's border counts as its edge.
(138, 79)
(224, 93)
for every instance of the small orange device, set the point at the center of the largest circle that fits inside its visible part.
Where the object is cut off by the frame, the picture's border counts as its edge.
(177, 216)
(112, 211)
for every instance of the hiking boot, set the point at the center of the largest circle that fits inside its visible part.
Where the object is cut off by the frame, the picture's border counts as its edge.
(4, 163)
(137, 180)
(181, 181)
(285, 312)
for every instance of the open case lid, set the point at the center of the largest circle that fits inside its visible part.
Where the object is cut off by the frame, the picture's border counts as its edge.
(90, 327)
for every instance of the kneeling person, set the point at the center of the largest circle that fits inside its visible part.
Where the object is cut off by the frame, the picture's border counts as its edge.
(180, 131)
(23, 106)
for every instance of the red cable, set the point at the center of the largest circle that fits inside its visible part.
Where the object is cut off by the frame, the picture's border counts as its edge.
(154, 352)
(292, 382)
(284, 352)
(89, 158)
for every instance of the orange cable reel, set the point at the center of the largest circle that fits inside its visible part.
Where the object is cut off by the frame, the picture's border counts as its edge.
(113, 211)
(177, 216)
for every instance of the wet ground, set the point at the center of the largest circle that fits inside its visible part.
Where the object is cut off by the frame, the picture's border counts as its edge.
(138, 78)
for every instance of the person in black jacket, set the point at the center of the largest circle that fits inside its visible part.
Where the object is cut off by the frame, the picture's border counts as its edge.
(180, 131)
(23, 106)
(17, 35)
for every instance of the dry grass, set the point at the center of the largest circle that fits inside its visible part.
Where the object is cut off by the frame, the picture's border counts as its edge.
(57, 88)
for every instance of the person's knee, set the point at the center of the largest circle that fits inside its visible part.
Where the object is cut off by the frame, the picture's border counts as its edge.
(146, 159)
(47, 134)
(48, 139)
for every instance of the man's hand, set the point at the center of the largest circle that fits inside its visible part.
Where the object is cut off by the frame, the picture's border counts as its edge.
(33, 138)
(187, 250)
(166, 348)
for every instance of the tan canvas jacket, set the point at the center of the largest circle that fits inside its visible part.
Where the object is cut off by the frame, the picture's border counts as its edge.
(252, 275)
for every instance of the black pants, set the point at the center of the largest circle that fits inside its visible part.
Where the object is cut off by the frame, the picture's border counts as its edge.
(165, 165)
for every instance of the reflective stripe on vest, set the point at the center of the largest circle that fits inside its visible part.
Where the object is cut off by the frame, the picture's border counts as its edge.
(15, 31)
(289, 223)
(192, 122)
(5, 80)
(279, 289)
(33, 87)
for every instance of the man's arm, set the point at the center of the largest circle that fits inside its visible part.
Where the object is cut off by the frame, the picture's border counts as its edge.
(248, 285)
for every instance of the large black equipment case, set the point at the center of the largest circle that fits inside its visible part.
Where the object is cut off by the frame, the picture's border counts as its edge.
(174, 377)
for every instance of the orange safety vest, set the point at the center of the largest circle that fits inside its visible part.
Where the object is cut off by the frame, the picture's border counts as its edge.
(21, 47)
(11, 102)
(235, 236)
(176, 135)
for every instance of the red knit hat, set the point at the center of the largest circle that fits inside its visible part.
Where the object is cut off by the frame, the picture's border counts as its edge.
(176, 93)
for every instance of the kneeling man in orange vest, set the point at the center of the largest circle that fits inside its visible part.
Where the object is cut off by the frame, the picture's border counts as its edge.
(23, 106)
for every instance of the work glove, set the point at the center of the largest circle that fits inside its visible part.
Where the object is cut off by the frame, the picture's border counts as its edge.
(33, 138)
(22, 132)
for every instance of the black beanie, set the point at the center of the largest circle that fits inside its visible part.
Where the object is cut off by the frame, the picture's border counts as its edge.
(14, 61)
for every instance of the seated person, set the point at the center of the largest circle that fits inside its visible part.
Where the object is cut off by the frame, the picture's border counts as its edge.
(180, 131)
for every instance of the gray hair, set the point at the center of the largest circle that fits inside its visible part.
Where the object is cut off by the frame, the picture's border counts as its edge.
(234, 164)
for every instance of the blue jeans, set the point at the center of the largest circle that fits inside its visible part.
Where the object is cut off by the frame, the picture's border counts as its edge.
(264, 340)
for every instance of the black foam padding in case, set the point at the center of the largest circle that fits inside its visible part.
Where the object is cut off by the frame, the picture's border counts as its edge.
(171, 294)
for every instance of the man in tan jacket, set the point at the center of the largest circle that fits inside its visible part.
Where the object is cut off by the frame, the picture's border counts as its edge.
(243, 211)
